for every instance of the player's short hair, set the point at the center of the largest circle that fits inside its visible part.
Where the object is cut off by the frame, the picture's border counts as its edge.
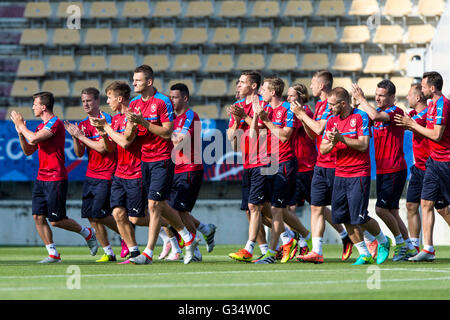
(327, 78)
(184, 90)
(341, 94)
(276, 84)
(146, 70)
(388, 85)
(46, 98)
(418, 90)
(302, 91)
(120, 88)
(434, 79)
(91, 91)
(253, 76)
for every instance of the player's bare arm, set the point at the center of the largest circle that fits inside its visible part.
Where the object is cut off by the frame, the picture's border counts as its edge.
(281, 133)
(27, 148)
(364, 105)
(33, 138)
(164, 131)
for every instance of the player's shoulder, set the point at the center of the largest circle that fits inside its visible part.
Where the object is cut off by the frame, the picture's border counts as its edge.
(135, 100)
(163, 98)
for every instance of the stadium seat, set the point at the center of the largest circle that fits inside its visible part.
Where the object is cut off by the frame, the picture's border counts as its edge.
(161, 36)
(298, 9)
(59, 88)
(75, 113)
(31, 68)
(24, 88)
(265, 9)
(331, 8)
(232, 88)
(197, 9)
(64, 36)
(26, 112)
(37, 10)
(103, 9)
(388, 34)
(187, 81)
(291, 35)
(206, 111)
(158, 84)
(232, 9)
(122, 63)
(34, 37)
(430, 8)
(130, 36)
(193, 36)
(283, 62)
(397, 8)
(255, 35)
(64, 5)
(92, 64)
(363, 7)
(420, 34)
(369, 85)
(226, 36)
(250, 61)
(61, 64)
(212, 88)
(98, 36)
(380, 64)
(344, 82)
(314, 61)
(403, 60)
(348, 62)
(323, 35)
(135, 9)
(186, 63)
(158, 62)
(219, 63)
(166, 9)
(355, 34)
(79, 85)
(107, 82)
(402, 85)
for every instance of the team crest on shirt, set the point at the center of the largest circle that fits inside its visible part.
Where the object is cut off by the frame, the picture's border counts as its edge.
(353, 122)
(153, 108)
(279, 115)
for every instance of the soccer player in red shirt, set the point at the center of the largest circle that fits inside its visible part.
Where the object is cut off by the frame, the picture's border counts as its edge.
(437, 174)
(101, 166)
(50, 188)
(347, 131)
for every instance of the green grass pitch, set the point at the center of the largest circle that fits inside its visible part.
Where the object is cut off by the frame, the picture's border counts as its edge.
(217, 278)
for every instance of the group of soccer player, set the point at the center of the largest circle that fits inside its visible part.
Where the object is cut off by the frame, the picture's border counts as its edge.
(292, 155)
(145, 168)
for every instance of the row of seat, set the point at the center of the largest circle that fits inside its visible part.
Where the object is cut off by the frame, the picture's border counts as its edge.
(233, 9)
(384, 34)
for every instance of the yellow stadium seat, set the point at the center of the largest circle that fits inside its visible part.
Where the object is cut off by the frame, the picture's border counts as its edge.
(161, 36)
(255, 35)
(193, 36)
(298, 9)
(232, 9)
(130, 36)
(380, 64)
(283, 62)
(250, 61)
(348, 62)
(265, 9)
(403, 60)
(291, 35)
(197, 9)
(226, 36)
(364, 7)
(24, 88)
(323, 35)
(79, 85)
(397, 8)
(212, 88)
(206, 111)
(232, 88)
(98, 36)
(430, 8)
(135, 9)
(186, 63)
(402, 85)
(420, 34)
(107, 82)
(219, 63)
(26, 112)
(355, 34)
(331, 8)
(369, 85)
(167, 9)
(37, 10)
(158, 62)
(64, 36)
(92, 64)
(34, 37)
(64, 5)
(59, 88)
(344, 82)
(74, 113)
(388, 34)
(61, 64)
(187, 81)
(314, 61)
(103, 9)
(118, 62)
(31, 68)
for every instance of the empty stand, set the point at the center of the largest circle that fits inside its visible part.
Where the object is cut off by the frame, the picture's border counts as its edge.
(64, 36)
(59, 88)
(380, 64)
(344, 82)
(75, 113)
(265, 9)
(34, 37)
(103, 9)
(226, 36)
(219, 63)
(298, 9)
(24, 88)
(206, 111)
(232, 9)
(314, 61)
(323, 35)
(331, 8)
(283, 62)
(402, 85)
(193, 36)
(130, 36)
(212, 88)
(187, 81)
(388, 34)
(38, 10)
(31, 68)
(420, 34)
(250, 61)
(64, 6)
(197, 9)
(364, 7)
(135, 9)
(92, 64)
(79, 85)
(61, 64)
(122, 63)
(161, 36)
(369, 85)
(167, 9)
(186, 63)
(430, 8)
(26, 112)
(98, 37)
(255, 35)
(158, 62)
(355, 34)
(397, 8)
(351, 62)
(290, 35)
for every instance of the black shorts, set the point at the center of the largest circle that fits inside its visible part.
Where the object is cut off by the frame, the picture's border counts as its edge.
(128, 194)
(49, 199)
(303, 182)
(96, 198)
(157, 177)
(322, 186)
(258, 185)
(390, 188)
(283, 186)
(436, 182)
(185, 190)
